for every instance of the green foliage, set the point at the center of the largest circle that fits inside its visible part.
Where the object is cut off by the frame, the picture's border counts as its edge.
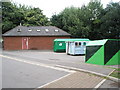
(69, 20)
(110, 26)
(34, 16)
(80, 22)
(14, 14)
(91, 21)
(7, 16)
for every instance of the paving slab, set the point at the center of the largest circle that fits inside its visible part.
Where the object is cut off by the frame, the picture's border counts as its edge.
(76, 80)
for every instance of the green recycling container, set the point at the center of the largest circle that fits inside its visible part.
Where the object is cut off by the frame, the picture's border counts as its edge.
(60, 44)
(103, 52)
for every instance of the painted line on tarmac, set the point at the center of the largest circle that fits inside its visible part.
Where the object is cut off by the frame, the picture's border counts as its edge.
(97, 86)
(54, 80)
(37, 64)
(88, 71)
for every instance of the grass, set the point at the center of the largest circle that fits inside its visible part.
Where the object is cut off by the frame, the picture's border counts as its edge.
(116, 73)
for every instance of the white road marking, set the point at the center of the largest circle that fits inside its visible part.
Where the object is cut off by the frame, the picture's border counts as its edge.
(102, 81)
(78, 69)
(60, 67)
(37, 64)
(88, 71)
(54, 80)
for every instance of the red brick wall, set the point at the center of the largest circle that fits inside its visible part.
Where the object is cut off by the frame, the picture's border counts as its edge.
(12, 43)
(41, 43)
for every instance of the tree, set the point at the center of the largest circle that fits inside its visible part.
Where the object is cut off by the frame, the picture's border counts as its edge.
(65, 18)
(34, 16)
(93, 13)
(14, 14)
(69, 21)
(8, 13)
(110, 26)
(81, 22)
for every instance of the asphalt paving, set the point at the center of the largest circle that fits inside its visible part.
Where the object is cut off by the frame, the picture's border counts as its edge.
(21, 75)
(53, 58)
(34, 68)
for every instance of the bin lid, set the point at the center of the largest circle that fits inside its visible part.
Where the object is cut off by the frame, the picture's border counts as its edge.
(96, 42)
(71, 40)
(100, 42)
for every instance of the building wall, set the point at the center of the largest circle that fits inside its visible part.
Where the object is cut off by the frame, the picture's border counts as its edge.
(12, 43)
(36, 43)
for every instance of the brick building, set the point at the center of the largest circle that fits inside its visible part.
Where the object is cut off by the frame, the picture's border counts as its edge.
(32, 37)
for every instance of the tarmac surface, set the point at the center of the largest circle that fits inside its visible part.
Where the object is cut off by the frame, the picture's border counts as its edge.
(21, 75)
(44, 69)
(49, 57)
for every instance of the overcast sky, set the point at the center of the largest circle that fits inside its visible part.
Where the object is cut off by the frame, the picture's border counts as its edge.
(51, 7)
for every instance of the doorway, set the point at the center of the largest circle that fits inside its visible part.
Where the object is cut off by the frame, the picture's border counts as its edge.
(25, 43)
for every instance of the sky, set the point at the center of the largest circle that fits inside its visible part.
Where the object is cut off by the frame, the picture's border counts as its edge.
(51, 7)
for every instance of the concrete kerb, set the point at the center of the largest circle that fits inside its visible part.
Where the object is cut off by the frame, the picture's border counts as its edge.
(103, 81)
(91, 72)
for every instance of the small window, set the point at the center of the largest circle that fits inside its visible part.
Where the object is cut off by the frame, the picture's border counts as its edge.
(18, 30)
(38, 30)
(29, 30)
(56, 30)
(46, 30)
(84, 43)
